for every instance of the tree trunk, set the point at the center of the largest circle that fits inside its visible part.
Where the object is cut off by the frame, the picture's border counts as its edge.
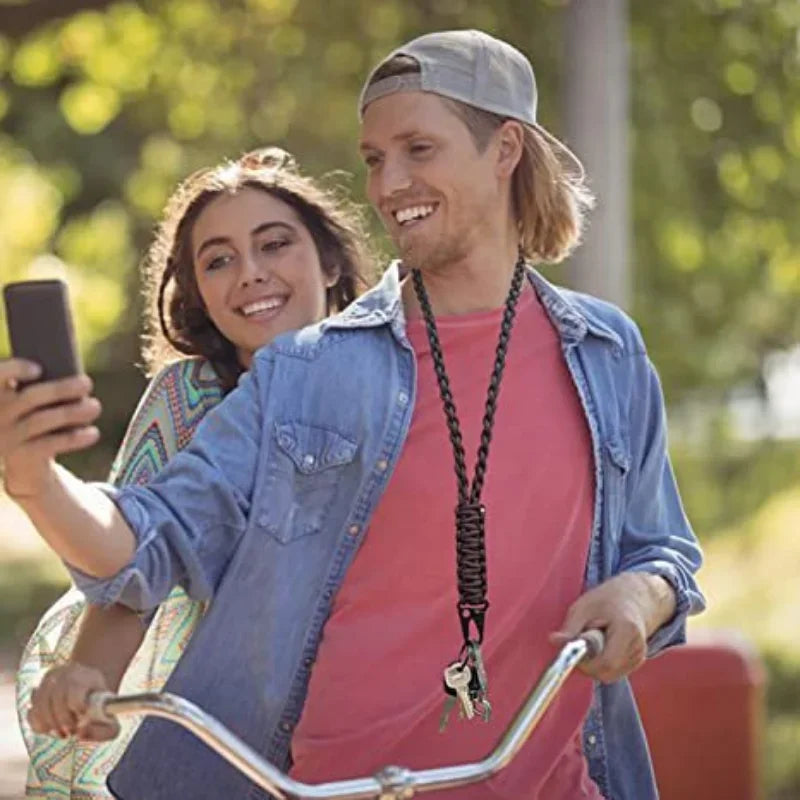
(596, 123)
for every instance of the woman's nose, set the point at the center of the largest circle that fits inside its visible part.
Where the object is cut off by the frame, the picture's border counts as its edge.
(252, 271)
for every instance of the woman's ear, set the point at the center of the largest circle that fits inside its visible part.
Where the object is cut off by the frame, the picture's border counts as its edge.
(332, 276)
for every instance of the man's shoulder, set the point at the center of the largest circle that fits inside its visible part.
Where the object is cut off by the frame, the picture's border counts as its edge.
(319, 339)
(602, 313)
(367, 316)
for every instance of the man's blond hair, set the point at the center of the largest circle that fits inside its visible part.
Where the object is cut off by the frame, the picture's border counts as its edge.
(550, 198)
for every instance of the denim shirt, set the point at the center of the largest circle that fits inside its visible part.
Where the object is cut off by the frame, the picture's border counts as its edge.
(267, 506)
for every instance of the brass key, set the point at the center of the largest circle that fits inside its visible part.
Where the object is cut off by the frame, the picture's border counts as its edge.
(457, 676)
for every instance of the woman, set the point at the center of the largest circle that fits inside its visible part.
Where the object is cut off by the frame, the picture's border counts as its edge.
(246, 251)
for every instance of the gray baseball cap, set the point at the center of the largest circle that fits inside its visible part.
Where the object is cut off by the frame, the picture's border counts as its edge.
(474, 68)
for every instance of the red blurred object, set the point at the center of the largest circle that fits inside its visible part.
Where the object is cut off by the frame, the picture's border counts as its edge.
(702, 706)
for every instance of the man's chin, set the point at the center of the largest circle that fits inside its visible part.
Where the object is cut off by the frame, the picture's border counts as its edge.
(426, 259)
(416, 254)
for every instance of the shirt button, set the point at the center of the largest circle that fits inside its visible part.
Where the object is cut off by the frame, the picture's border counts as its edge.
(592, 739)
(309, 460)
(307, 662)
(383, 465)
(353, 530)
(402, 398)
(286, 727)
(263, 520)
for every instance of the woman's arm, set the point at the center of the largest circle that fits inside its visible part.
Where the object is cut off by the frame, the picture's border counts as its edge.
(107, 641)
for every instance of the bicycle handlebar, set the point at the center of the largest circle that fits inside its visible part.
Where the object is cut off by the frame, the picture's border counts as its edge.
(392, 783)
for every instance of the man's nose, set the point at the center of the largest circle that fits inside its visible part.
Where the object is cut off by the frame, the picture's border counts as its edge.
(395, 178)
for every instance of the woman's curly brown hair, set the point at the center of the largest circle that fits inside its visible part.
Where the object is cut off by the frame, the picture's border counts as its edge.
(176, 321)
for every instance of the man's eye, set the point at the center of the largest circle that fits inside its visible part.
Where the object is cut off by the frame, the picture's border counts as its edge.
(371, 161)
(419, 149)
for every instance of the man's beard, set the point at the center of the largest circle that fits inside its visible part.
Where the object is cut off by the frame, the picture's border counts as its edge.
(430, 257)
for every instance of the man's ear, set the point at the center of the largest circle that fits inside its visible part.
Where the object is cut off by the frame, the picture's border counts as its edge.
(508, 138)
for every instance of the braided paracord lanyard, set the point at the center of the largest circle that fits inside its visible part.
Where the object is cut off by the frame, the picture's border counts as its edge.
(470, 513)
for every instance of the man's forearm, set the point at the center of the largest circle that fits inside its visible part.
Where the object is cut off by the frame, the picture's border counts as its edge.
(630, 607)
(81, 524)
(656, 598)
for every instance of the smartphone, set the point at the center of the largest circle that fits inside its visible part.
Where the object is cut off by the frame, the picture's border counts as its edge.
(40, 327)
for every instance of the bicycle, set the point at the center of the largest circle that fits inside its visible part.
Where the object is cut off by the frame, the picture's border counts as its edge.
(391, 783)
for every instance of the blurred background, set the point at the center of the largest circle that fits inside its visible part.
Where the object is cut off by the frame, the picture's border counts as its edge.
(687, 114)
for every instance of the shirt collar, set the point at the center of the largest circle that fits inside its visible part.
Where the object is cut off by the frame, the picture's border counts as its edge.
(572, 321)
(382, 305)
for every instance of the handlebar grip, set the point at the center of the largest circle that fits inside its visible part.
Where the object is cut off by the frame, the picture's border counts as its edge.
(96, 707)
(595, 642)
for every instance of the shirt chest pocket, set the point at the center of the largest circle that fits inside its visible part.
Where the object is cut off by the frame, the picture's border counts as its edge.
(300, 480)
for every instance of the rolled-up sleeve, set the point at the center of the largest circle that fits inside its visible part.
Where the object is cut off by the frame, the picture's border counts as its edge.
(189, 520)
(657, 537)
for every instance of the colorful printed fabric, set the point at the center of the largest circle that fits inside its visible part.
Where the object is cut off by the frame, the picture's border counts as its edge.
(164, 422)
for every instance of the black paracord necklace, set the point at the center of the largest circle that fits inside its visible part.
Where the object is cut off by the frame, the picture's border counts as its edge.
(465, 679)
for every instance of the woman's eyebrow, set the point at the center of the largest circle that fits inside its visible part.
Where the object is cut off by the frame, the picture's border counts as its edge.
(265, 226)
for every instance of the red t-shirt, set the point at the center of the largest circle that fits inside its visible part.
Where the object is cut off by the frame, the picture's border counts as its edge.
(375, 695)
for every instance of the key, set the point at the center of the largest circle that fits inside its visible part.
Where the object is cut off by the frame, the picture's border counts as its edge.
(482, 706)
(475, 658)
(457, 677)
(449, 702)
(479, 686)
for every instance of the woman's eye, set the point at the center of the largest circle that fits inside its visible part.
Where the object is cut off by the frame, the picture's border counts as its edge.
(216, 263)
(275, 244)
(419, 149)
(371, 161)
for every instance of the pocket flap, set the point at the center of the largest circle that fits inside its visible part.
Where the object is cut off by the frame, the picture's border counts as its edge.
(312, 448)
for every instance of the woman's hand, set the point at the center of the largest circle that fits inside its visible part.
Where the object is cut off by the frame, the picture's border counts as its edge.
(39, 422)
(60, 704)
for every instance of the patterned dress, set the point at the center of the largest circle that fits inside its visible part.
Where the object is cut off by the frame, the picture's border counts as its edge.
(168, 414)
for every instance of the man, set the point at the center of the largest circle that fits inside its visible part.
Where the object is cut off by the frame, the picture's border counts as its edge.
(316, 503)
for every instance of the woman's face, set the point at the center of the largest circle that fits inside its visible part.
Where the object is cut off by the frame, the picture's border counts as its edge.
(257, 269)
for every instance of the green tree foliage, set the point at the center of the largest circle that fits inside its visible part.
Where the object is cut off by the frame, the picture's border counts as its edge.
(716, 124)
(105, 105)
(104, 110)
